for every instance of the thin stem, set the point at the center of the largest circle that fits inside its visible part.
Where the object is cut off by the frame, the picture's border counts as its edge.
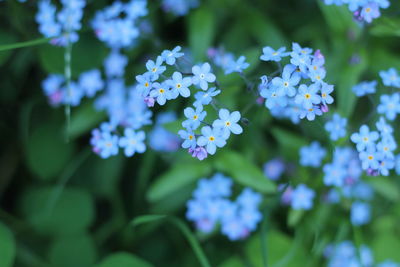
(67, 73)
(25, 44)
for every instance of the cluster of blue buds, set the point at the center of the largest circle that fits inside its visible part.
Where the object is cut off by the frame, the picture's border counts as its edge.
(347, 254)
(300, 92)
(88, 84)
(363, 10)
(300, 197)
(155, 87)
(211, 206)
(117, 24)
(179, 7)
(62, 25)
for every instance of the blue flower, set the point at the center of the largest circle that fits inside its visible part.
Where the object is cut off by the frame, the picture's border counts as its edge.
(385, 164)
(132, 142)
(370, 11)
(155, 68)
(302, 61)
(205, 98)
(370, 158)
(162, 93)
(312, 155)
(237, 66)
(171, 56)
(275, 96)
(195, 117)
(250, 218)
(107, 145)
(364, 138)
(386, 147)
(364, 88)
(390, 77)
(228, 122)
(202, 76)
(274, 169)
(334, 174)
(336, 127)
(302, 197)
(310, 113)
(73, 95)
(115, 64)
(390, 105)
(249, 199)
(307, 96)
(360, 213)
(91, 82)
(326, 89)
(145, 83)
(221, 185)
(270, 54)
(180, 84)
(211, 138)
(289, 79)
(189, 137)
(384, 127)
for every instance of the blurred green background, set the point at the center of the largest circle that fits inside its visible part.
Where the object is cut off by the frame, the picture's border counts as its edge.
(61, 205)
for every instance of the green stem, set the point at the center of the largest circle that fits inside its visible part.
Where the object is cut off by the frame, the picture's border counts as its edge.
(24, 44)
(67, 73)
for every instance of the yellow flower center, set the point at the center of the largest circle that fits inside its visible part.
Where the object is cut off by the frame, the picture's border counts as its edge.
(370, 157)
(365, 139)
(161, 90)
(211, 138)
(146, 84)
(307, 96)
(178, 85)
(286, 84)
(227, 123)
(154, 69)
(195, 117)
(324, 95)
(190, 137)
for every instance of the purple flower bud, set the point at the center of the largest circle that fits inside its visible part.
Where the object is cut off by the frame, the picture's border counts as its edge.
(324, 108)
(149, 101)
(212, 52)
(55, 98)
(199, 152)
(319, 56)
(260, 100)
(372, 172)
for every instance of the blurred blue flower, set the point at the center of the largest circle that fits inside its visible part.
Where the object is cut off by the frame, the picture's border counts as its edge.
(302, 197)
(360, 213)
(336, 127)
(132, 142)
(312, 155)
(364, 88)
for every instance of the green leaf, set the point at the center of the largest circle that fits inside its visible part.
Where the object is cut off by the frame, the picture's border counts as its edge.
(201, 32)
(7, 247)
(44, 143)
(179, 176)
(338, 18)
(83, 119)
(289, 142)
(282, 251)
(62, 248)
(386, 187)
(243, 171)
(73, 210)
(123, 259)
(294, 217)
(385, 26)
(184, 230)
(386, 246)
(263, 29)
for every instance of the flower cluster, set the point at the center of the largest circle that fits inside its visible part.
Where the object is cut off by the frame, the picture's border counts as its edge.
(300, 92)
(363, 10)
(346, 254)
(154, 87)
(179, 7)
(88, 84)
(117, 24)
(62, 25)
(376, 149)
(211, 205)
